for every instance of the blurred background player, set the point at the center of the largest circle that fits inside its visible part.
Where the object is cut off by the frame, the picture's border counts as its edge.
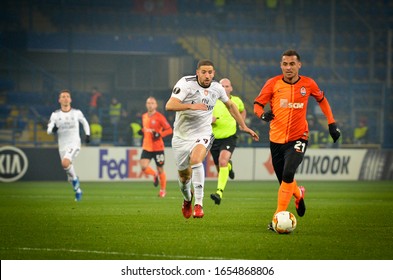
(288, 96)
(225, 138)
(96, 103)
(193, 99)
(95, 131)
(154, 127)
(360, 133)
(114, 112)
(65, 123)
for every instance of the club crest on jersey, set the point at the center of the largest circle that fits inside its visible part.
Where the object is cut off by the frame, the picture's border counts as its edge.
(303, 91)
(206, 92)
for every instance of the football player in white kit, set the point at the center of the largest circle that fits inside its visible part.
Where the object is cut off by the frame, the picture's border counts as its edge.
(65, 123)
(193, 98)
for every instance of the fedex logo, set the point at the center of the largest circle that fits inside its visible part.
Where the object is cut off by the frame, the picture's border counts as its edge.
(123, 168)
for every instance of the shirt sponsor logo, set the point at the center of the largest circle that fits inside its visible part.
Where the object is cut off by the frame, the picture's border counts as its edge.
(13, 164)
(206, 101)
(292, 105)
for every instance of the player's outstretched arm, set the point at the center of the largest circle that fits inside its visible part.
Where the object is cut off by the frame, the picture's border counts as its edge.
(175, 104)
(239, 119)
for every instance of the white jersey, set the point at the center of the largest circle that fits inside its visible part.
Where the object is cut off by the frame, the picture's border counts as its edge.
(195, 123)
(68, 127)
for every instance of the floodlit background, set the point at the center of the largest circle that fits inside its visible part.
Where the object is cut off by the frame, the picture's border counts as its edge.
(130, 50)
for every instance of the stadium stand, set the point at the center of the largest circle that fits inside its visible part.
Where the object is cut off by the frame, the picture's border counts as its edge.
(347, 55)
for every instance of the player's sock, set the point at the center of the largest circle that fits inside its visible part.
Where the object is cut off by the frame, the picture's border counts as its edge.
(229, 167)
(285, 193)
(149, 171)
(198, 176)
(231, 173)
(78, 194)
(70, 171)
(185, 189)
(222, 179)
(296, 191)
(163, 181)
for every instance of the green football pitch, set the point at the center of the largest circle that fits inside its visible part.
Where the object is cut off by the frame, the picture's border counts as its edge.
(128, 221)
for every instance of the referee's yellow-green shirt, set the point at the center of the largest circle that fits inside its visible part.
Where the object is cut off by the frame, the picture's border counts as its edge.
(225, 124)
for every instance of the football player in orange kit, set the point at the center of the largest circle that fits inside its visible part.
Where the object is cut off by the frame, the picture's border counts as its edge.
(154, 127)
(288, 96)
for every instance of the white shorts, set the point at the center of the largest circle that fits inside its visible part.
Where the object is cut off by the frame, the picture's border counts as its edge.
(69, 153)
(182, 149)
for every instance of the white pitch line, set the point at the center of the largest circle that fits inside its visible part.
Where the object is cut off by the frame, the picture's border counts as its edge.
(113, 253)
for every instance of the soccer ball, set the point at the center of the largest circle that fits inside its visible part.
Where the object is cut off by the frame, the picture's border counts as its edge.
(284, 222)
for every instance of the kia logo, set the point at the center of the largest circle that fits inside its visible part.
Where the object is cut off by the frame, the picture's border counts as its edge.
(13, 164)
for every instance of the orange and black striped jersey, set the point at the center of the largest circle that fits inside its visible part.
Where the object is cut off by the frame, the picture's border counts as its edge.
(154, 123)
(288, 103)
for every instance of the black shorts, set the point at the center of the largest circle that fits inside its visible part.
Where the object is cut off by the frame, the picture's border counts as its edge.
(159, 157)
(287, 157)
(228, 144)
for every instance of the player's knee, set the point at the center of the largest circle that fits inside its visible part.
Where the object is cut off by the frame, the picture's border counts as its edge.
(160, 169)
(185, 175)
(65, 163)
(184, 179)
(288, 176)
(223, 163)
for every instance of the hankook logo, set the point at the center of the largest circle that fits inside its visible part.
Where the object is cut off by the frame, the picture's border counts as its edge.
(13, 164)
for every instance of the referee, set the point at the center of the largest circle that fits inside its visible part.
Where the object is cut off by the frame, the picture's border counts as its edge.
(224, 130)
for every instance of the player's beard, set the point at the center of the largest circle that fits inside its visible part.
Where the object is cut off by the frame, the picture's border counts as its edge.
(291, 77)
(207, 82)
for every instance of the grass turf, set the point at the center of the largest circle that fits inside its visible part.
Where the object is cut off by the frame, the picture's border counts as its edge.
(126, 221)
